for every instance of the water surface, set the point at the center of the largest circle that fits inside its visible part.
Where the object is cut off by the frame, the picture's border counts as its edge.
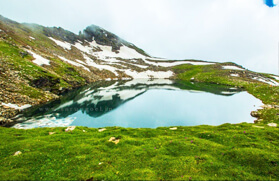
(145, 104)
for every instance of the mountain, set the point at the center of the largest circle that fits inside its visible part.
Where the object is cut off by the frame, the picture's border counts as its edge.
(39, 63)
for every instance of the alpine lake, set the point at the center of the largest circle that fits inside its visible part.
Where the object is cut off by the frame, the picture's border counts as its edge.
(143, 103)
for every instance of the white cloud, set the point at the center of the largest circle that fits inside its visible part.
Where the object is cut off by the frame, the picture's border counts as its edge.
(242, 31)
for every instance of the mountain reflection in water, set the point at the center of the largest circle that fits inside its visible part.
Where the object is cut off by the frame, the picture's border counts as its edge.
(151, 103)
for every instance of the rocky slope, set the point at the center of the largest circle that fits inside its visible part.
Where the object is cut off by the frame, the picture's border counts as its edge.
(39, 63)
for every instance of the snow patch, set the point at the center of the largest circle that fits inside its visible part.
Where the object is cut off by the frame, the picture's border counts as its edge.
(106, 53)
(39, 60)
(128, 53)
(235, 75)
(149, 74)
(199, 63)
(63, 44)
(156, 58)
(275, 77)
(140, 66)
(32, 38)
(85, 49)
(74, 63)
(267, 81)
(126, 78)
(14, 106)
(90, 62)
(171, 64)
(81, 62)
(232, 67)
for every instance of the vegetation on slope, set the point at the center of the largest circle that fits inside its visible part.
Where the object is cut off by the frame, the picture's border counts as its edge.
(24, 82)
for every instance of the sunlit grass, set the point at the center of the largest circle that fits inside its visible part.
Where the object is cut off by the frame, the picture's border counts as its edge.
(228, 151)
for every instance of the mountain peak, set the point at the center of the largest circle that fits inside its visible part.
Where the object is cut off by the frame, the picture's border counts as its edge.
(103, 37)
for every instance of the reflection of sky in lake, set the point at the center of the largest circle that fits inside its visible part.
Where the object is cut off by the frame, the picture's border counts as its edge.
(142, 103)
(157, 108)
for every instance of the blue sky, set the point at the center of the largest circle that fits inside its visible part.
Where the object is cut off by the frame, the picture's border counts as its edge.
(241, 31)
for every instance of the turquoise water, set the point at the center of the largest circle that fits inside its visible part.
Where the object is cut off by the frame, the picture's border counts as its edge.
(145, 104)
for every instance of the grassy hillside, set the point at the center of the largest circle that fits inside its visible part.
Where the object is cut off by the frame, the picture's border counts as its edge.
(23, 82)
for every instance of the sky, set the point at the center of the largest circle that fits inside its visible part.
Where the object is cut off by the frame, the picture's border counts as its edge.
(242, 31)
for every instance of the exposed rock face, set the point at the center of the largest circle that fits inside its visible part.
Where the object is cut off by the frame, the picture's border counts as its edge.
(45, 82)
(103, 37)
(61, 33)
(255, 114)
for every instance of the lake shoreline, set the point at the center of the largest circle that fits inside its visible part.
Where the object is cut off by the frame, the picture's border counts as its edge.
(10, 115)
(137, 104)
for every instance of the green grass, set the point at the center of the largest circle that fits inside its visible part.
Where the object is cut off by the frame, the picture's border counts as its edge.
(235, 152)
(67, 74)
(30, 91)
(214, 74)
(207, 73)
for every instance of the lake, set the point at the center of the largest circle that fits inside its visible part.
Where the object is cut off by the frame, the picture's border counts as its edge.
(142, 103)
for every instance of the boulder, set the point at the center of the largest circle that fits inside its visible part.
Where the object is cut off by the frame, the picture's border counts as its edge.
(258, 120)
(114, 140)
(255, 114)
(272, 124)
(102, 129)
(70, 128)
(17, 153)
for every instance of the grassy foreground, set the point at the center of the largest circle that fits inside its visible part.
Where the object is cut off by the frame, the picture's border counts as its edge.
(241, 152)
